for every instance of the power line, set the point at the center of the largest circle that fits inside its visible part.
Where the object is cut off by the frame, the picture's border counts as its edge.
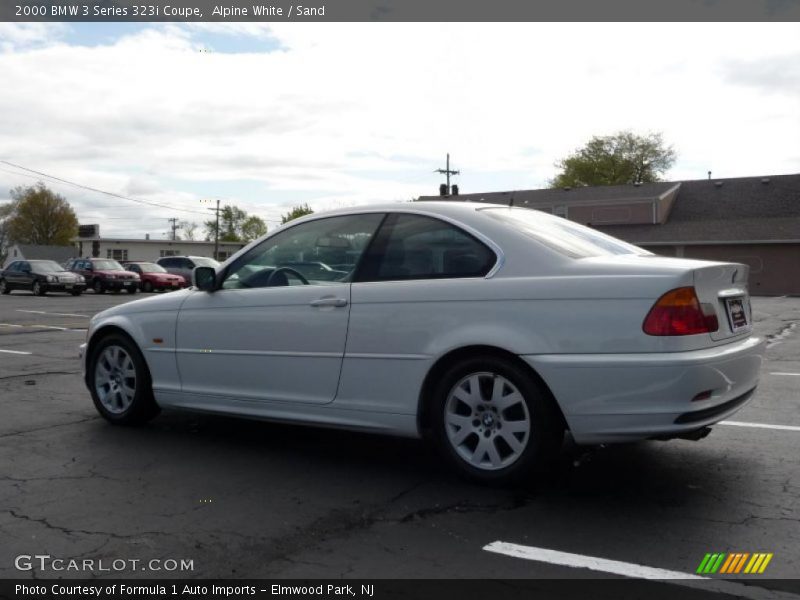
(99, 191)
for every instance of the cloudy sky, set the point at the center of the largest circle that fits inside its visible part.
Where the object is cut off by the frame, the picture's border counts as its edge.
(331, 114)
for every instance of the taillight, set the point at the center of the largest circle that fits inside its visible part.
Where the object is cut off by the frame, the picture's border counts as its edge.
(679, 312)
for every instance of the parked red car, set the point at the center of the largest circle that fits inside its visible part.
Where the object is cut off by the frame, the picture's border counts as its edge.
(155, 277)
(104, 274)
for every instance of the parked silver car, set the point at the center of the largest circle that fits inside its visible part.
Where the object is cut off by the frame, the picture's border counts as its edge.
(184, 265)
(489, 329)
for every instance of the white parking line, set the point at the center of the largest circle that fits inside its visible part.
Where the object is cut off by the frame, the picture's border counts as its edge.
(42, 312)
(786, 374)
(15, 352)
(760, 425)
(580, 561)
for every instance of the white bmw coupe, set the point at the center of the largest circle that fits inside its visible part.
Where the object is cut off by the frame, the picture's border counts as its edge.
(489, 329)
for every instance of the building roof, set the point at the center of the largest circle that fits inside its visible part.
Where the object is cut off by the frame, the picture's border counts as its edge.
(159, 242)
(765, 208)
(579, 195)
(34, 252)
(738, 209)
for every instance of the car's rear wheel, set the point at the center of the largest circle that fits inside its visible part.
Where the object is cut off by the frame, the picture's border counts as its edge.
(4, 288)
(38, 289)
(98, 287)
(494, 422)
(120, 382)
(147, 286)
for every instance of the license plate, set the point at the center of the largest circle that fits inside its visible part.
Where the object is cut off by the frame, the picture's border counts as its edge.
(127, 283)
(68, 286)
(737, 314)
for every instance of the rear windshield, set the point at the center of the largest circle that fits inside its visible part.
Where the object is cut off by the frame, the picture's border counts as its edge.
(46, 266)
(151, 268)
(564, 236)
(205, 262)
(107, 265)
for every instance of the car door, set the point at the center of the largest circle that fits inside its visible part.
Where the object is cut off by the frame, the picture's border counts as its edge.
(24, 276)
(12, 275)
(274, 332)
(418, 288)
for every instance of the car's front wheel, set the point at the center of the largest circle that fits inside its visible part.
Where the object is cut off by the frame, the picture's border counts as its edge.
(98, 287)
(38, 289)
(494, 422)
(147, 286)
(120, 382)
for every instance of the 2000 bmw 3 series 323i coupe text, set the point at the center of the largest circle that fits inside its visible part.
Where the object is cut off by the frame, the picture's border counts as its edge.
(489, 329)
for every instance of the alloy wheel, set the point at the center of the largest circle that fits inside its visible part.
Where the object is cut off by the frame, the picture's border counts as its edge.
(487, 421)
(115, 379)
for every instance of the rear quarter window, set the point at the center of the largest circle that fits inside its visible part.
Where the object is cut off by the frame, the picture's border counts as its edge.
(559, 234)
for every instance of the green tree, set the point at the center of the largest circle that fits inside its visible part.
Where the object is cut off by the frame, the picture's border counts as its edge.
(616, 159)
(235, 225)
(5, 212)
(296, 212)
(40, 216)
(252, 228)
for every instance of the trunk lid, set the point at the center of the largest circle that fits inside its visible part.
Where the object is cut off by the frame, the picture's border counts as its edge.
(724, 287)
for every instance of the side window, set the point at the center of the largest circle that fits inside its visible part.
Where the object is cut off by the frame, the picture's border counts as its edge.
(13, 267)
(420, 247)
(187, 263)
(134, 268)
(315, 253)
(167, 263)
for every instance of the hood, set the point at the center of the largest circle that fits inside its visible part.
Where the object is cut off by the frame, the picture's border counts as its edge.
(161, 302)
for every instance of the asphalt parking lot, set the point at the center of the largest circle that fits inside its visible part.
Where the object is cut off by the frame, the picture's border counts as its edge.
(251, 499)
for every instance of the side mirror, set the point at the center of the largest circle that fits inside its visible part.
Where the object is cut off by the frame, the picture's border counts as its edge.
(204, 278)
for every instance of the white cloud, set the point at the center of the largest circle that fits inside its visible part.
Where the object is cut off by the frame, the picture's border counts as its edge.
(349, 113)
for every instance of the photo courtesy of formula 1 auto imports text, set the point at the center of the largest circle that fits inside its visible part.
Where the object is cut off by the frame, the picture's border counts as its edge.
(385, 299)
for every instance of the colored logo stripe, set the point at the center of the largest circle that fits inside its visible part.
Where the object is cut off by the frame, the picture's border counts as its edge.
(734, 562)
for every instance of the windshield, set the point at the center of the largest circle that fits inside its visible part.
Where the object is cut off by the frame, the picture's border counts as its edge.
(107, 265)
(205, 262)
(151, 268)
(562, 235)
(46, 266)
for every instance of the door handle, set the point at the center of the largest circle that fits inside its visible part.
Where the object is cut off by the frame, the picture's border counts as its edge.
(329, 301)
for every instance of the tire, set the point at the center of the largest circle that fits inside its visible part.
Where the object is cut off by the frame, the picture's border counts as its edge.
(505, 432)
(76, 292)
(147, 286)
(120, 383)
(132, 290)
(5, 289)
(98, 288)
(38, 289)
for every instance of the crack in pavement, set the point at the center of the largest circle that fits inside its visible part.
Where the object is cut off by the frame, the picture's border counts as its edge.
(37, 373)
(70, 531)
(338, 523)
(46, 427)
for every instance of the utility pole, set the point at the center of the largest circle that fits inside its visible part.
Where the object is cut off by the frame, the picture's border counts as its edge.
(447, 171)
(216, 228)
(174, 227)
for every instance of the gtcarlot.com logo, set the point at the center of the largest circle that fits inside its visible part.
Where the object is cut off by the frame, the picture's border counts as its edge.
(45, 562)
(733, 563)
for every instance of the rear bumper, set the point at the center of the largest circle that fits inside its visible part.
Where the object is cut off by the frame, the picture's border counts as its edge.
(625, 397)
